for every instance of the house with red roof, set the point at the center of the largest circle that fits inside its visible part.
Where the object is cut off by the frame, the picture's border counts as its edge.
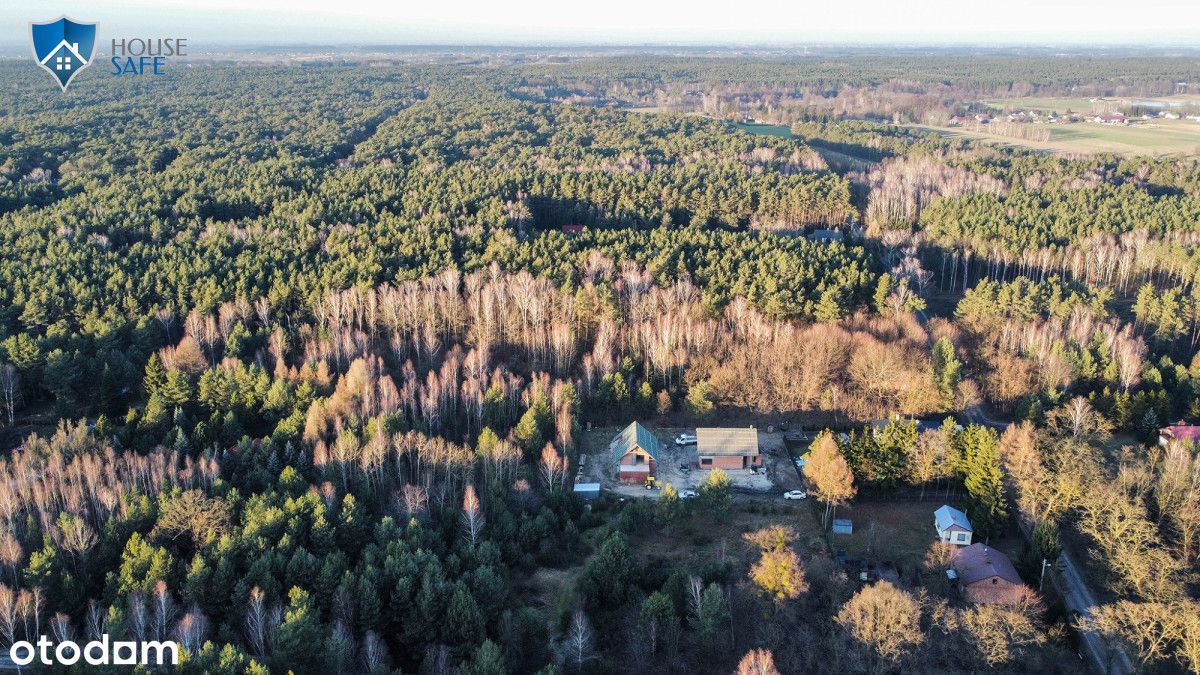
(986, 575)
(1180, 431)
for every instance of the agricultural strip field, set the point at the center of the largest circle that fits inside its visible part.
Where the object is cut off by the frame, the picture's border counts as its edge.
(1157, 137)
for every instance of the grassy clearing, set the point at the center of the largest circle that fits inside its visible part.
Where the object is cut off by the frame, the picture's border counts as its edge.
(698, 537)
(660, 109)
(1157, 137)
(1085, 105)
(776, 130)
(900, 533)
(1059, 105)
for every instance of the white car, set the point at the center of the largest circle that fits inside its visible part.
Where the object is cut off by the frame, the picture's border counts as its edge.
(688, 494)
(685, 439)
(795, 494)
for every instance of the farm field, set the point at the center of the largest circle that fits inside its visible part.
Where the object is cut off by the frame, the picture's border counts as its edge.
(1084, 104)
(1079, 104)
(1159, 137)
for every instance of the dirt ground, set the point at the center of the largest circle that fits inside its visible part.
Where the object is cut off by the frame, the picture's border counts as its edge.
(679, 466)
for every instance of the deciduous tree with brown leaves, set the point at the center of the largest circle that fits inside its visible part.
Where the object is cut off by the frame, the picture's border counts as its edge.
(885, 620)
(778, 574)
(757, 662)
(829, 474)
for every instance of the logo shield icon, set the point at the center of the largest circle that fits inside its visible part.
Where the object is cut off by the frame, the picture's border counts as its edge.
(63, 47)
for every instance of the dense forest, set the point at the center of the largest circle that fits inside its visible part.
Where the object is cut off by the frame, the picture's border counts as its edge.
(296, 362)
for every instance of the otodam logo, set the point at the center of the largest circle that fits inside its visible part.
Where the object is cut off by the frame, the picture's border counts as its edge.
(63, 47)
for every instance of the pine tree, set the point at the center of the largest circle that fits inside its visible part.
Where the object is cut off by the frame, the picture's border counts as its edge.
(298, 639)
(488, 660)
(463, 628)
(883, 289)
(986, 505)
(156, 376)
(947, 371)
(177, 390)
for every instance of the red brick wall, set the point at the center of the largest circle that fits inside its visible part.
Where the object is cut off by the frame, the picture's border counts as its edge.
(637, 477)
(729, 462)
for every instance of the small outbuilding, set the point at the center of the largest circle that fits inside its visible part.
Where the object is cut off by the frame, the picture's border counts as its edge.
(728, 448)
(986, 575)
(589, 491)
(952, 526)
(842, 526)
(636, 452)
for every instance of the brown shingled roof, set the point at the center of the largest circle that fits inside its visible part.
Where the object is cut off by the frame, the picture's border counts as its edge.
(979, 561)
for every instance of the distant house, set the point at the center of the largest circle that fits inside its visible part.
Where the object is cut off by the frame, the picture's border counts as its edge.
(986, 575)
(727, 448)
(1111, 118)
(636, 452)
(952, 526)
(1179, 431)
(959, 120)
(825, 236)
(572, 229)
(982, 118)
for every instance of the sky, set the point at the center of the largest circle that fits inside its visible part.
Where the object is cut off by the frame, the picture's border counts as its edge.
(779, 22)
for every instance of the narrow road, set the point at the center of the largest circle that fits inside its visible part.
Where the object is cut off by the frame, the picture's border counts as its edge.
(1080, 600)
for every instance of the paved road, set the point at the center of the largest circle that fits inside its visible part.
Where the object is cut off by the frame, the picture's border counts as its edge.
(1080, 600)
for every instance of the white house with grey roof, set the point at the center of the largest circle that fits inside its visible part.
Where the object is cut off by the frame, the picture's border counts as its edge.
(952, 526)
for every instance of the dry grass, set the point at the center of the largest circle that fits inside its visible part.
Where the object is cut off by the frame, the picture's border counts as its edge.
(1151, 137)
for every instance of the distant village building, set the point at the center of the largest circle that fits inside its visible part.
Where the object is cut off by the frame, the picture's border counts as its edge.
(636, 452)
(826, 236)
(986, 575)
(727, 448)
(1111, 118)
(977, 118)
(1180, 431)
(952, 526)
